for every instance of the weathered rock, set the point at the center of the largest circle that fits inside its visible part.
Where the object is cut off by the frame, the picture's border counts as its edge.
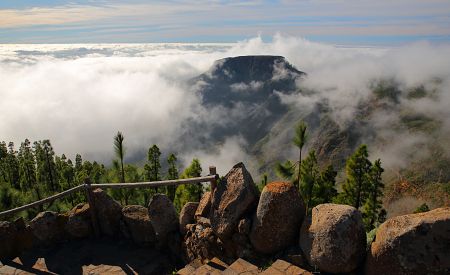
(109, 213)
(24, 239)
(204, 206)
(201, 243)
(138, 223)
(244, 226)
(163, 215)
(333, 238)
(233, 197)
(412, 244)
(79, 221)
(8, 233)
(48, 227)
(187, 215)
(278, 218)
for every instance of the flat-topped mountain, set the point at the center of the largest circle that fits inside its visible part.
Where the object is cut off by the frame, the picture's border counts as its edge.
(247, 88)
(247, 78)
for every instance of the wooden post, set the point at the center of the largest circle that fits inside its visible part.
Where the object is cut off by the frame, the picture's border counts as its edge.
(212, 172)
(91, 202)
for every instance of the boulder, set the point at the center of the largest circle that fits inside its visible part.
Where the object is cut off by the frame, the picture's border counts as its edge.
(24, 238)
(333, 238)
(138, 223)
(204, 206)
(108, 211)
(187, 215)
(79, 221)
(234, 197)
(412, 244)
(8, 233)
(48, 228)
(200, 242)
(278, 218)
(163, 215)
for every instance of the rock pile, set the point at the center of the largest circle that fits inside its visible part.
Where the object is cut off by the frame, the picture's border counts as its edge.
(222, 230)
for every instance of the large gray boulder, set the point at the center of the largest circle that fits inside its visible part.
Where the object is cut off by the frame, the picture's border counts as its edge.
(412, 244)
(163, 215)
(187, 214)
(8, 235)
(138, 223)
(109, 213)
(49, 228)
(333, 238)
(79, 223)
(235, 196)
(278, 218)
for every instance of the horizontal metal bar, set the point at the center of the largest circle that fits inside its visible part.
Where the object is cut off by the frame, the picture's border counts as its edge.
(153, 183)
(43, 201)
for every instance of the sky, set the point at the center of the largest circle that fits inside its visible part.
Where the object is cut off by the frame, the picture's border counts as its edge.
(347, 22)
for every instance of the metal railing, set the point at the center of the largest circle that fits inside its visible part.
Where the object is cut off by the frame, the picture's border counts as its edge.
(88, 187)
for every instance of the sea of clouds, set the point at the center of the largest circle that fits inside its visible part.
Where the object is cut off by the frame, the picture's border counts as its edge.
(79, 96)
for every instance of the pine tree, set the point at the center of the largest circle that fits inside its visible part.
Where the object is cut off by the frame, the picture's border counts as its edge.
(325, 189)
(3, 162)
(285, 170)
(27, 165)
(153, 165)
(373, 204)
(189, 192)
(299, 141)
(78, 163)
(119, 149)
(12, 165)
(309, 172)
(172, 174)
(355, 189)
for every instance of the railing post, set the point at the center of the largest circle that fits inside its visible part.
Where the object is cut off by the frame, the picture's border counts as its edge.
(212, 172)
(91, 202)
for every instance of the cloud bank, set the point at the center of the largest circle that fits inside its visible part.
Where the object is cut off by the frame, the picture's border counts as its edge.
(79, 96)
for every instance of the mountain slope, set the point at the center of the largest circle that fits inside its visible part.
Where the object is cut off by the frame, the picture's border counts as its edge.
(248, 92)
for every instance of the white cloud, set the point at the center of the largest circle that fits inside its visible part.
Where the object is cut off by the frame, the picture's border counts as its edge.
(243, 87)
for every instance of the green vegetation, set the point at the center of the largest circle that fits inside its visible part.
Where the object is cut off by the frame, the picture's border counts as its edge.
(189, 192)
(422, 208)
(299, 141)
(35, 172)
(362, 189)
(315, 186)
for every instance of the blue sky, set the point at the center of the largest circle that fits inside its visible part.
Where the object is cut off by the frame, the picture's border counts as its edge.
(353, 22)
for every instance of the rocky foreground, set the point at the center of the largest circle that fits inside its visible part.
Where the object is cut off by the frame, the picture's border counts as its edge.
(235, 228)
